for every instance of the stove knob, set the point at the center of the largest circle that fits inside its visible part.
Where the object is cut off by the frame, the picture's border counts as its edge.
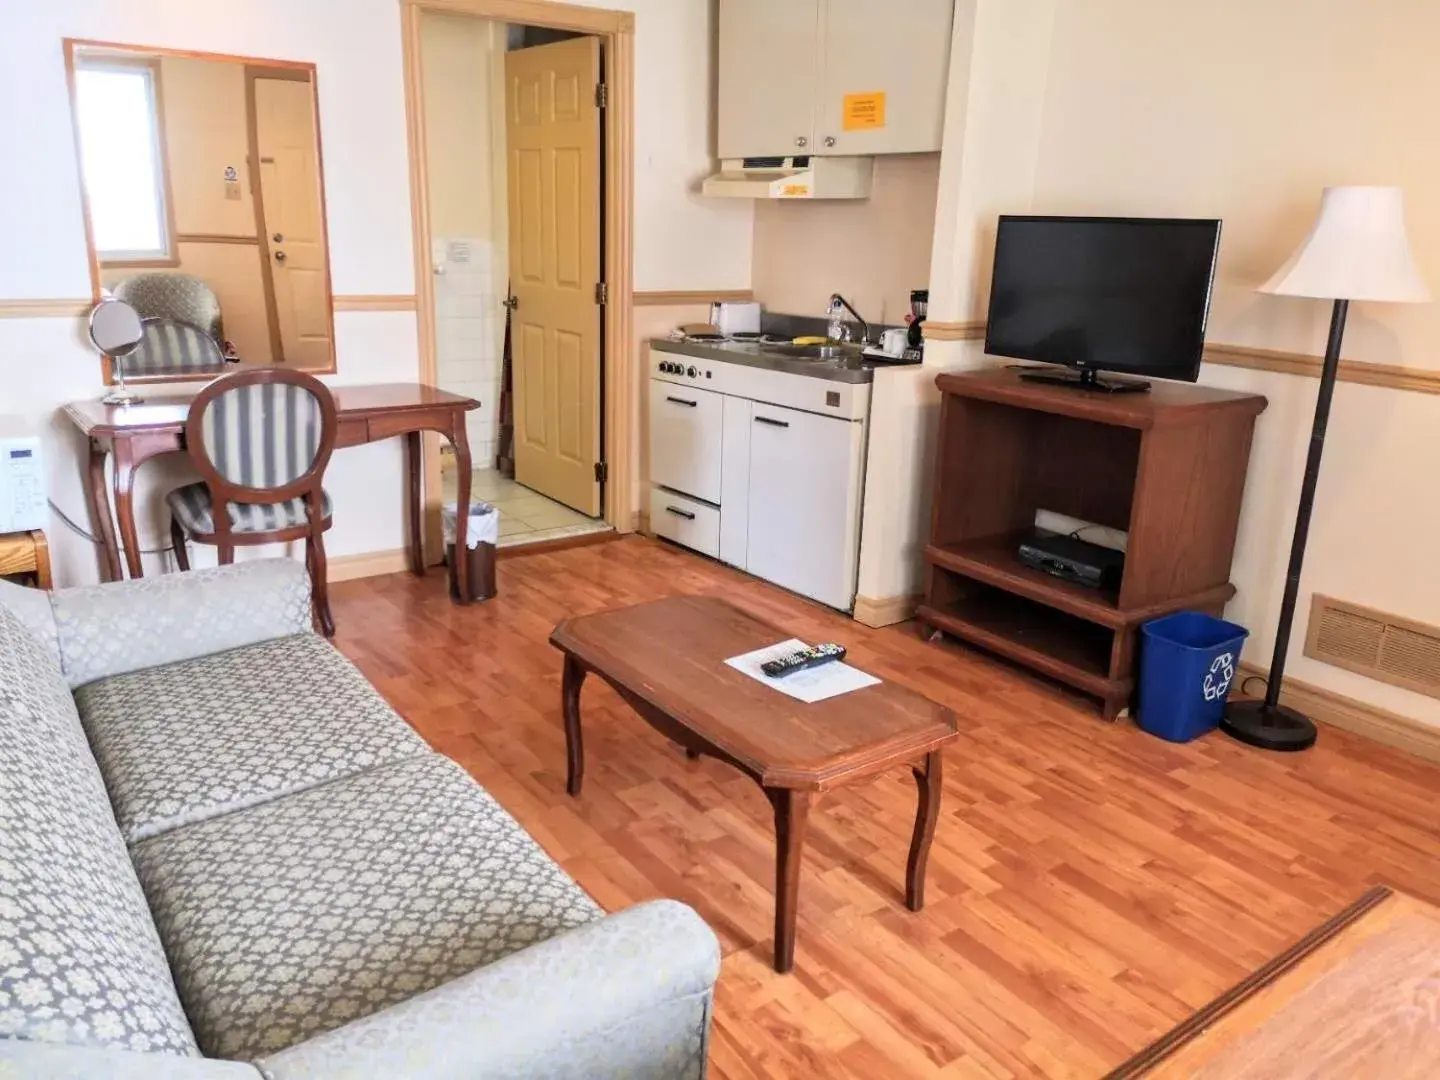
(666, 366)
(691, 372)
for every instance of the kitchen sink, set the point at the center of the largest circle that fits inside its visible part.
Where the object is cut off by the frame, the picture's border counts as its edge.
(815, 352)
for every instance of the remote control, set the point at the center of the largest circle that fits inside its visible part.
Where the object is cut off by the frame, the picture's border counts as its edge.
(805, 658)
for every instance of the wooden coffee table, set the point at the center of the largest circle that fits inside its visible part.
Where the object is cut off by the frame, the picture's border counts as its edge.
(667, 660)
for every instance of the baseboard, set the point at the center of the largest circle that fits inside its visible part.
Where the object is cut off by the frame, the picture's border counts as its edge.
(369, 564)
(1367, 721)
(886, 611)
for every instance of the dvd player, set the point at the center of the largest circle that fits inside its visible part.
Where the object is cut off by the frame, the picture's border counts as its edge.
(1072, 559)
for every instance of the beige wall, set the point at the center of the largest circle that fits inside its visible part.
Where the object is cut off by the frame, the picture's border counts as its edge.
(463, 72)
(205, 131)
(873, 251)
(464, 80)
(1241, 111)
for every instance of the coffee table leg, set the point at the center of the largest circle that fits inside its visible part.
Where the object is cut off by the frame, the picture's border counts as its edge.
(791, 810)
(927, 779)
(574, 744)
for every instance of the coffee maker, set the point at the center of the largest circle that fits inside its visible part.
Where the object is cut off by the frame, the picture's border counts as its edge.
(919, 306)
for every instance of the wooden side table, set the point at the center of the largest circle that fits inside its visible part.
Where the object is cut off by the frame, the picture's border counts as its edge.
(26, 553)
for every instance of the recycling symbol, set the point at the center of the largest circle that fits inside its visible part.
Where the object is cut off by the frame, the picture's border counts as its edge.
(1217, 682)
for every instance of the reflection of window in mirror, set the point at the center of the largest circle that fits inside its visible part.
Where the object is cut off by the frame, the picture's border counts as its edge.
(207, 211)
(117, 112)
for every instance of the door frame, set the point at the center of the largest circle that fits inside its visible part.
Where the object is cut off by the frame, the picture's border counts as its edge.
(616, 30)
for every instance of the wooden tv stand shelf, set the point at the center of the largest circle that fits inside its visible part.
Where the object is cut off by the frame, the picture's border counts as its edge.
(1167, 466)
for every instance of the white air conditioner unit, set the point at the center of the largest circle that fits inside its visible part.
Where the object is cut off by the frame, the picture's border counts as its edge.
(792, 178)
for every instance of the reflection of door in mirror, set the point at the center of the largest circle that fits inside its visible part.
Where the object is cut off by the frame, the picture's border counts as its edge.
(191, 164)
(284, 113)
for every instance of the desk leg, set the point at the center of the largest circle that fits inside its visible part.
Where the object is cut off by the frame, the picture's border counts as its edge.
(461, 441)
(792, 809)
(125, 506)
(927, 778)
(100, 511)
(414, 459)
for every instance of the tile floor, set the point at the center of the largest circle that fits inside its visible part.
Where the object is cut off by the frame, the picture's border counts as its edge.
(526, 516)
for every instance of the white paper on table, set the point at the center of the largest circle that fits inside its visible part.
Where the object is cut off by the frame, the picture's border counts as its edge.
(808, 685)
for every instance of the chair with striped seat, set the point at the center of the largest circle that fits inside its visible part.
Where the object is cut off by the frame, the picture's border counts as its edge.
(261, 440)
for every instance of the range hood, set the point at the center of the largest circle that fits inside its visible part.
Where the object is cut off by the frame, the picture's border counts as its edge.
(792, 178)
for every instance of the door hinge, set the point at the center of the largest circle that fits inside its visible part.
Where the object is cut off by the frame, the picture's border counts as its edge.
(602, 293)
(602, 96)
(602, 472)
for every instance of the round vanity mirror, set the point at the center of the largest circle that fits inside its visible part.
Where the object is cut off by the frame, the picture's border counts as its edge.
(115, 328)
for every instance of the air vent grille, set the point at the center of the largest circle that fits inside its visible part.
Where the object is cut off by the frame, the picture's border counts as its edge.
(1388, 648)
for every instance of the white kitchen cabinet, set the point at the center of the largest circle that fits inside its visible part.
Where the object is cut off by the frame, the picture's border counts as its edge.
(804, 502)
(688, 422)
(832, 77)
(766, 83)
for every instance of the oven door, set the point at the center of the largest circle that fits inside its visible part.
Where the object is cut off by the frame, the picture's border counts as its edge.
(686, 427)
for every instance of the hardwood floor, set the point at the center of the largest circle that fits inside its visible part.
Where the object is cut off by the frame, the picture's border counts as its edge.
(1089, 886)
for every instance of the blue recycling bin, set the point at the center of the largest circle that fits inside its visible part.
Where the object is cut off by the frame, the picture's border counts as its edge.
(1187, 662)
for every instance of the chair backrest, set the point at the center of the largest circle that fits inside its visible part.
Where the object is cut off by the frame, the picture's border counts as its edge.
(169, 346)
(181, 297)
(262, 436)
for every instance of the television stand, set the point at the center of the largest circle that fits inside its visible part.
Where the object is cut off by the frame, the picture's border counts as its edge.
(1083, 379)
(1168, 467)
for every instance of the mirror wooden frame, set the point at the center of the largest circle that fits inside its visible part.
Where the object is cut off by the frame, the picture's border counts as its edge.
(299, 70)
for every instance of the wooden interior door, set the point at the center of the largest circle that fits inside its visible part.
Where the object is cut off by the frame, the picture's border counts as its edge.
(290, 206)
(552, 131)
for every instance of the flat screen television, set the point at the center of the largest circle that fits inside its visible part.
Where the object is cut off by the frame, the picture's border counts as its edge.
(1102, 294)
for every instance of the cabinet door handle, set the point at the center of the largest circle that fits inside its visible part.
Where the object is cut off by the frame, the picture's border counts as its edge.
(772, 423)
(686, 514)
(680, 401)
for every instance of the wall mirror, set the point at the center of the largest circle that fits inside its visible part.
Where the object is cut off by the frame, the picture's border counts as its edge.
(204, 207)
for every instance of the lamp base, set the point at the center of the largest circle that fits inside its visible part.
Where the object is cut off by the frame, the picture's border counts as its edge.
(1270, 727)
(121, 396)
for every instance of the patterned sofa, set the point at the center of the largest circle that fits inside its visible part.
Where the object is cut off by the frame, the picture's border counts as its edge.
(222, 855)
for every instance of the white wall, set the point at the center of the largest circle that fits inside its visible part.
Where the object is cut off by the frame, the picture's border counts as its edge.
(1239, 111)
(681, 241)
(46, 362)
(1245, 112)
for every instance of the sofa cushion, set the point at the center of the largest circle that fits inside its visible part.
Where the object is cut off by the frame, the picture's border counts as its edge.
(80, 961)
(294, 917)
(125, 626)
(188, 741)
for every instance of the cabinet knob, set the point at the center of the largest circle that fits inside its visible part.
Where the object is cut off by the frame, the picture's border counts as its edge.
(829, 140)
(801, 141)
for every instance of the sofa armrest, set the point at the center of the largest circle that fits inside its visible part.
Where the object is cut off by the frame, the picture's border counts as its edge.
(628, 995)
(106, 630)
(24, 1060)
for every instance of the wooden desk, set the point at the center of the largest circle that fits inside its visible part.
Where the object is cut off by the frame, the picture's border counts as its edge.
(134, 434)
(26, 553)
(1356, 997)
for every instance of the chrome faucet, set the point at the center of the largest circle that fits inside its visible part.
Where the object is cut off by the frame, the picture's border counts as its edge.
(839, 330)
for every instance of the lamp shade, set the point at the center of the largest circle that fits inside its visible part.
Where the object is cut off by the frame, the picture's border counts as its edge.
(1356, 250)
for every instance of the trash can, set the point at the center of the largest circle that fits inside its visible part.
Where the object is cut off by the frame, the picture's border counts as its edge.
(1187, 661)
(482, 532)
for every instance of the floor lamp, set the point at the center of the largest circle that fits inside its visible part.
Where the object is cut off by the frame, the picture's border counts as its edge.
(1356, 251)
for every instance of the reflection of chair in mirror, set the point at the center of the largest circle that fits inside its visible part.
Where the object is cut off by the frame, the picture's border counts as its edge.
(261, 440)
(172, 347)
(181, 297)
